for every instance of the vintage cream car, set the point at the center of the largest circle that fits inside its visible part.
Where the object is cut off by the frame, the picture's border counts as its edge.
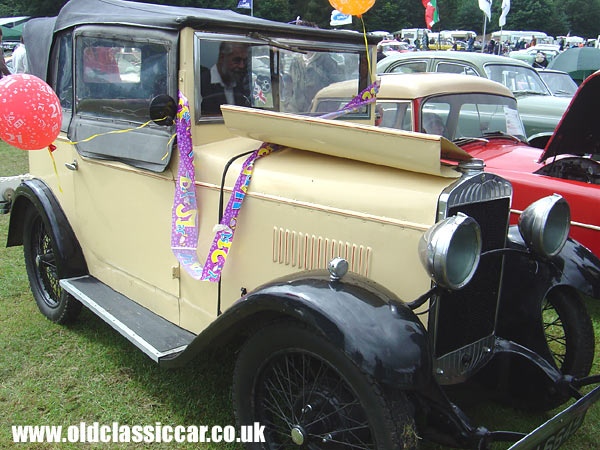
(365, 276)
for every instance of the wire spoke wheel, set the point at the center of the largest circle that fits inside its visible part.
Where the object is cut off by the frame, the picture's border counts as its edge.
(555, 333)
(303, 400)
(308, 394)
(45, 264)
(569, 332)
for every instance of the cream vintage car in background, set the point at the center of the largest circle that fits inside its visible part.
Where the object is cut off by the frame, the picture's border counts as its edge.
(366, 274)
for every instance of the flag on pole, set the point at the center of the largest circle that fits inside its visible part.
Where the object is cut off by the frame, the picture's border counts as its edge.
(431, 14)
(505, 10)
(337, 18)
(486, 7)
(245, 4)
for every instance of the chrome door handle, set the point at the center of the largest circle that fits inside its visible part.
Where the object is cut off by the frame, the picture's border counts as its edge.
(72, 166)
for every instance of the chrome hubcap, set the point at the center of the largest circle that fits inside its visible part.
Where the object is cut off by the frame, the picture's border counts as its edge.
(298, 435)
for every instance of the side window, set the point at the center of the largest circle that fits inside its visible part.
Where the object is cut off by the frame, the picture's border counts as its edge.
(410, 67)
(62, 75)
(118, 78)
(394, 115)
(118, 70)
(448, 67)
(225, 75)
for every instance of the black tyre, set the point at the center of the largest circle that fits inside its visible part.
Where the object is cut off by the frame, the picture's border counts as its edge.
(43, 268)
(309, 395)
(569, 332)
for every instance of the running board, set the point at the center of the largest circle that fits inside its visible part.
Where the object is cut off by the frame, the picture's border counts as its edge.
(155, 336)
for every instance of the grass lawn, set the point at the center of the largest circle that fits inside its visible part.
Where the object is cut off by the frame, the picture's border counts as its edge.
(86, 372)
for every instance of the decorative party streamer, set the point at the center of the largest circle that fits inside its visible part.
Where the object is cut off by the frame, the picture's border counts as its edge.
(184, 230)
(366, 96)
(226, 229)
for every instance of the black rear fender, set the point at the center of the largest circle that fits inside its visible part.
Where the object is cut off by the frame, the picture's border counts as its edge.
(37, 195)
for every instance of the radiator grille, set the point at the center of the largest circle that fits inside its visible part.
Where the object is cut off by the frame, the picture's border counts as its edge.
(469, 314)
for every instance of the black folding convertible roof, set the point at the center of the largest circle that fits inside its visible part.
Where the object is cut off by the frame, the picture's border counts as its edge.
(38, 33)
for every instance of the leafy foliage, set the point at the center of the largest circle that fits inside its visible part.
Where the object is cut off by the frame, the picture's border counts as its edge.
(554, 17)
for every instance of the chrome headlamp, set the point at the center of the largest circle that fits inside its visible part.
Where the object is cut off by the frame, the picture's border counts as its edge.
(450, 251)
(545, 225)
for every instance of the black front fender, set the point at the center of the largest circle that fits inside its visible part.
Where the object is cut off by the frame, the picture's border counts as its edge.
(574, 266)
(364, 320)
(528, 279)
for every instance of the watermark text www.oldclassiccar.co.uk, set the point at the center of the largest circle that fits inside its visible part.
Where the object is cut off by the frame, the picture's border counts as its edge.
(119, 433)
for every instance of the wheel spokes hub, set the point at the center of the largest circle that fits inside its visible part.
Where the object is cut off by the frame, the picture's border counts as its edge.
(298, 435)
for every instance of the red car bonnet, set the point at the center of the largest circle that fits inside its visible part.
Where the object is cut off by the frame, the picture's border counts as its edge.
(578, 132)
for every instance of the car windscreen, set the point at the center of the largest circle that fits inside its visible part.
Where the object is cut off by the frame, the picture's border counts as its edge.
(519, 79)
(560, 84)
(471, 116)
(270, 74)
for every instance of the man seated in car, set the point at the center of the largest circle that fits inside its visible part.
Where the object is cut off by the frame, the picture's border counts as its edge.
(227, 81)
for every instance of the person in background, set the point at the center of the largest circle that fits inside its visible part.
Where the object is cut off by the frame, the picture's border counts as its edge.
(470, 44)
(433, 124)
(20, 58)
(533, 41)
(541, 62)
(3, 68)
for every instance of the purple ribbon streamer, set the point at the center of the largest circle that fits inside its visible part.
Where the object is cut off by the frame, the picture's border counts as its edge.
(364, 97)
(222, 241)
(184, 229)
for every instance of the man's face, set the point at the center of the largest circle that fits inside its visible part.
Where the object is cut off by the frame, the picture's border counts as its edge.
(232, 66)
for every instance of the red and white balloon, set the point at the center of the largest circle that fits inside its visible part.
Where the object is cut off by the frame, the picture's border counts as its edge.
(30, 114)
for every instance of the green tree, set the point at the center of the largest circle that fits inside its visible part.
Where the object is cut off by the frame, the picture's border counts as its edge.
(583, 19)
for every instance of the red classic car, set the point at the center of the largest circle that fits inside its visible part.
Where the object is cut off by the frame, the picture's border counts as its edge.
(480, 116)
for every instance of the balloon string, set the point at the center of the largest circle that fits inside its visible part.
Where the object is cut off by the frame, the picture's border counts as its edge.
(366, 46)
(51, 148)
(168, 143)
(113, 132)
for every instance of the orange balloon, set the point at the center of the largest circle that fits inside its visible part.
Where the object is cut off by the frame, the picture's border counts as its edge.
(352, 7)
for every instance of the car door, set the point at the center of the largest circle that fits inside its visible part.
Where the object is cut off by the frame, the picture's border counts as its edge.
(124, 186)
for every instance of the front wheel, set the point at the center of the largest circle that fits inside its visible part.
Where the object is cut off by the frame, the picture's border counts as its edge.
(310, 395)
(569, 332)
(43, 267)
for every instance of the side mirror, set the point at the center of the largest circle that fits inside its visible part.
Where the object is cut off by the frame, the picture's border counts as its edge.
(163, 110)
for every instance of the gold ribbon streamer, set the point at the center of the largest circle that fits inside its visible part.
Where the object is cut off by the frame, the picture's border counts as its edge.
(51, 148)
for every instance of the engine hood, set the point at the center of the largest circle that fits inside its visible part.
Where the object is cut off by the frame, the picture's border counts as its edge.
(578, 132)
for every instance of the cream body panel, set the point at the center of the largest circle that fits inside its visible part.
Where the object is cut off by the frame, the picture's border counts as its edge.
(124, 228)
(40, 166)
(303, 208)
(104, 202)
